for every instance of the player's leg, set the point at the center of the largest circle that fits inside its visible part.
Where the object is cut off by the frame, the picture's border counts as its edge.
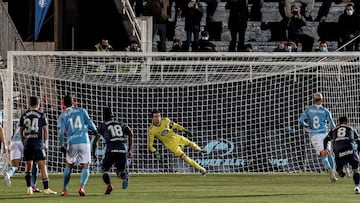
(120, 164)
(179, 153)
(84, 157)
(28, 166)
(40, 160)
(66, 179)
(355, 165)
(34, 173)
(71, 156)
(186, 142)
(106, 165)
(16, 153)
(317, 142)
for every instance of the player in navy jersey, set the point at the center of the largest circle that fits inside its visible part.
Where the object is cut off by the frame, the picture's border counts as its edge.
(315, 120)
(16, 153)
(34, 135)
(73, 125)
(118, 137)
(345, 144)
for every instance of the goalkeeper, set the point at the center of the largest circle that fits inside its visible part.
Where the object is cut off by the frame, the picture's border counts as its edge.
(163, 129)
(345, 142)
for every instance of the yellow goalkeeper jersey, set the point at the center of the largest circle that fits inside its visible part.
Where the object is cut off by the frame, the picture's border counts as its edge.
(165, 133)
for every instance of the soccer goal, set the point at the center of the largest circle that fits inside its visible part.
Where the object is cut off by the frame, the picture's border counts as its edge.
(242, 107)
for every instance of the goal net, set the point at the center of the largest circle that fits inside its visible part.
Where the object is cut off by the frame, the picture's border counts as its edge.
(242, 107)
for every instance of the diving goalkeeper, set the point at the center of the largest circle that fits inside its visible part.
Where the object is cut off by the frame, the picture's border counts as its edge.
(163, 129)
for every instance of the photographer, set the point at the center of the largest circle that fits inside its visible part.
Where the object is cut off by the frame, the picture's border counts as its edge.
(296, 32)
(103, 45)
(193, 14)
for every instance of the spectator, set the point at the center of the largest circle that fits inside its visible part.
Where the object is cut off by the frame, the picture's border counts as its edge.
(133, 47)
(306, 8)
(349, 27)
(325, 8)
(238, 18)
(204, 43)
(210, 9)
(158, 10)
(103, 45)
(323, 46)
(286, 46)
(177, 45)
(193, 14)
(296, 32)
(248, 48)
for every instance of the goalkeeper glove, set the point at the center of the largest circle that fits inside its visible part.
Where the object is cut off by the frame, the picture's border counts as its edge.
(157, 155)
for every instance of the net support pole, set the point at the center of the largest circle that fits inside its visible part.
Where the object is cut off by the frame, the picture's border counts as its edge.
(146, 26)
(8, 97)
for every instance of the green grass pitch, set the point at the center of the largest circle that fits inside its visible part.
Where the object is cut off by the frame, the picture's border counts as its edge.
(178, 188)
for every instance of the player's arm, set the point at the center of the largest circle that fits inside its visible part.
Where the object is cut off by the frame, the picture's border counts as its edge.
(46, 137)
(303, 119)
(46, 133)
(151, 145)
(151, 141)
(94, 145)
(330, 120)
(2, 139)
(326, 150)
(177, 126)
(91, 125)
(130, 135)
(62, 128)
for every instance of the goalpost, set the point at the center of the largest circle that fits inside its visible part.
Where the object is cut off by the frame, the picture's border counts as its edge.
(242, 107)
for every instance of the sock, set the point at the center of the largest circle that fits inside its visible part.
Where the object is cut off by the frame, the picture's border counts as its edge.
(67, 173)
(34, 171)
(331, 161)
(356, 178)
(46, 183)
(192, 163)
(28, 179)
(326, 163)
(84, 176)
(106, 178)
(11, 171)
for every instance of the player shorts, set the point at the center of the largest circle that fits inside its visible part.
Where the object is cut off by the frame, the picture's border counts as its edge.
(34, 154)
(317, 142)
(114, 158)
(16, 150)
(78, 154)
(177, 146)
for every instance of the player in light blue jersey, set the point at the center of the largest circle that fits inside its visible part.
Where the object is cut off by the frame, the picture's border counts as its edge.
(315, 120)
(16, 152)
(73, 125)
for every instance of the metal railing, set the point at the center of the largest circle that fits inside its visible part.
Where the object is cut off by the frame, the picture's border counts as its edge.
(128, 11)
(10, 39)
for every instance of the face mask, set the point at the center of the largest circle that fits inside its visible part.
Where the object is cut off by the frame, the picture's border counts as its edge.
(104, 46)
(287, 49)
(323, 49)
(349, 12)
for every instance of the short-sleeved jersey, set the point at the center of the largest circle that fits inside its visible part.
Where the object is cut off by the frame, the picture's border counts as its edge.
(75, 121)
(344, 138)
(316, 118)
(164, 132)
(115, 134)
(16, 136)
(33, 122)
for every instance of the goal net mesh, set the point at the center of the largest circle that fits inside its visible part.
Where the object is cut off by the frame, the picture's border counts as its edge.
(242, 107)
